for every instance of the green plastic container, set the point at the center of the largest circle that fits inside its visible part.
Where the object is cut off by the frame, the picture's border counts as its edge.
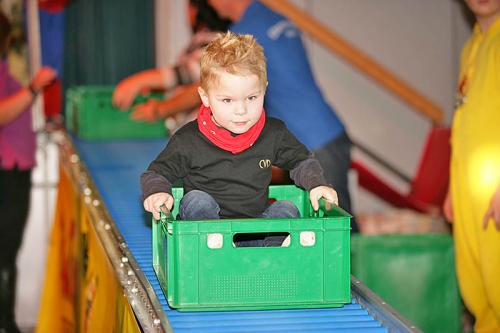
(196, 276)
(415, 274)
(90, 115)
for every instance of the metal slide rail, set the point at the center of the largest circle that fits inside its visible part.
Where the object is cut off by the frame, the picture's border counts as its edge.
(135, 285)
(379, 309)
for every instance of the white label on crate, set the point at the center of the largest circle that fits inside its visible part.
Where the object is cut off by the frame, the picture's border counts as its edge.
(215, 241)
(307, 238)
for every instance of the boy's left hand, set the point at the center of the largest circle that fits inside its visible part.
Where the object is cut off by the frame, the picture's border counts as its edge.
(326, 192)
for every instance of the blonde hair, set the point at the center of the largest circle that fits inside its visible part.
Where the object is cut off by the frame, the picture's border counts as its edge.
(234, 54)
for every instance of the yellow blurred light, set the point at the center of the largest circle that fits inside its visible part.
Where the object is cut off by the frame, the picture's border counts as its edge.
(485, 171)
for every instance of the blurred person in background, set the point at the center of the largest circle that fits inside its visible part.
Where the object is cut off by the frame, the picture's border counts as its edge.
(178, 108)
(473, 201)
(17, 158)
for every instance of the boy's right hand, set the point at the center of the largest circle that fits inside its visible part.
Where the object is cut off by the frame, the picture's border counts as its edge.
(153, 203)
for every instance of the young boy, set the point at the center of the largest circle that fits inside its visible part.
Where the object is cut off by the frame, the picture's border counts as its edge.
(224, 157)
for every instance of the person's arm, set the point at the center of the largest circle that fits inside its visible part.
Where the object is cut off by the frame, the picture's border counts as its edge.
(185, 100)
(143, 82)
(156, 191)
(12, 106)
(127, 89)
(493, 211)
(156, 182)
(308, 174)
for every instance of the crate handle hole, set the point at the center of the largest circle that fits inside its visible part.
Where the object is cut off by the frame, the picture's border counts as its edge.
(262, 239)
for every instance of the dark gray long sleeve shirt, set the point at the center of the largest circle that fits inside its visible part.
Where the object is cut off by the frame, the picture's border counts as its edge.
(238, 182)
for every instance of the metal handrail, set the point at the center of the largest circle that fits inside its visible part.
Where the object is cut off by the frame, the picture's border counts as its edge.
(357, 58)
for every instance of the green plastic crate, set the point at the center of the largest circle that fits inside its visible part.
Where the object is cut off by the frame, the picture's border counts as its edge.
(413, 273)
(90, 115)
(195, 277)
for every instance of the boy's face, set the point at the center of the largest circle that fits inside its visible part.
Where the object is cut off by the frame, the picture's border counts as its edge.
(484, 8)
(236, 101)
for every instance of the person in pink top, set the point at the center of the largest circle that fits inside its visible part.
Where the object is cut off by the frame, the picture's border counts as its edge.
(17, 158)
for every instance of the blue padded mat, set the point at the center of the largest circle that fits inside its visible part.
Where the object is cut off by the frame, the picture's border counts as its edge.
(115, 167)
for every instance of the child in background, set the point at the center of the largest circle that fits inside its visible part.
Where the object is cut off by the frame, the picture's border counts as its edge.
(473, 203)
(185, 74)
(224, 157)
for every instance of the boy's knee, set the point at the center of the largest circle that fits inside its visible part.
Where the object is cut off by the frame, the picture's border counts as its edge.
(198, 205)
(196, 195)
(282, 208)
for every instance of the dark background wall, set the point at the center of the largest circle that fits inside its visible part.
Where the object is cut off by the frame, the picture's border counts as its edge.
(107, 40)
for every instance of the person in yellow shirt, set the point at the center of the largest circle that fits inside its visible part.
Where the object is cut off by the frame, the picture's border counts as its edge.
(473, 202)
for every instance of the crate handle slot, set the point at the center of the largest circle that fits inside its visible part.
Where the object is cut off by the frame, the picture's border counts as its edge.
(261, 239)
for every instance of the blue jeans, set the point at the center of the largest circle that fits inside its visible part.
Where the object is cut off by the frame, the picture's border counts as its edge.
(199, 205)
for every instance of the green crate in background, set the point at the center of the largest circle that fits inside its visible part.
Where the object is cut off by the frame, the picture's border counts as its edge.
(415, 274)
(195, 277)
(90, 115)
